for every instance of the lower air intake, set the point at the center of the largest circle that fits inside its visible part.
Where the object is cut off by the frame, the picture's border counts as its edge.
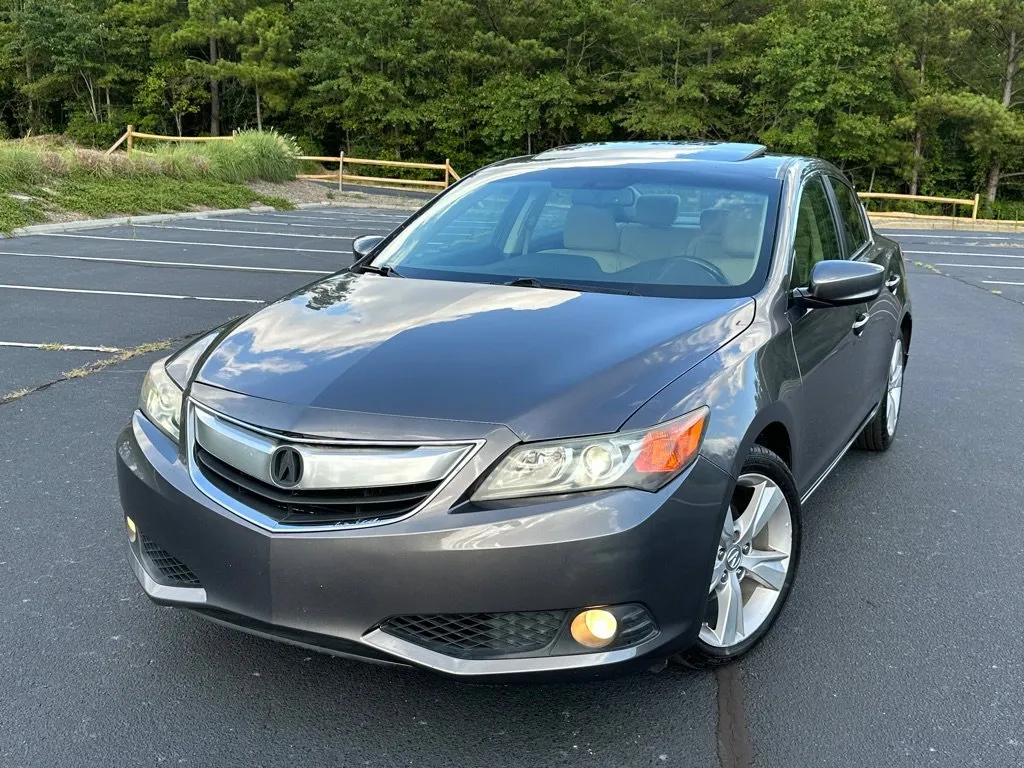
(479, 635)
(171, 569)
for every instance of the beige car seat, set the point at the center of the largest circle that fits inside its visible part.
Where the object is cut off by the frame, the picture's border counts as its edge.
(591, 231)
(741, 242)
(651, 234)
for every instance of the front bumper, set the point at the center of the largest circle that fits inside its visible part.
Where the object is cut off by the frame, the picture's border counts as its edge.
(331, 590)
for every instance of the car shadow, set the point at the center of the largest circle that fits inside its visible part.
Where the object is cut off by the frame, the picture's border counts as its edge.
(635, 720)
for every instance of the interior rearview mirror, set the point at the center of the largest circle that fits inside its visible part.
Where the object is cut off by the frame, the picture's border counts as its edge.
(839, 283)
(362, 246)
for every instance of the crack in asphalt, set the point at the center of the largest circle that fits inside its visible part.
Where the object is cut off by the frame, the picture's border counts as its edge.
(98, 365)
(735, 748)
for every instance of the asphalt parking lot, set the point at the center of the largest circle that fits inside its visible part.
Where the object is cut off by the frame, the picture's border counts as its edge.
(990, 260)
(901, 643)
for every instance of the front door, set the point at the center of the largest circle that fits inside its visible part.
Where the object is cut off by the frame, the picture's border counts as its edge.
(883, 312)
(827, 342)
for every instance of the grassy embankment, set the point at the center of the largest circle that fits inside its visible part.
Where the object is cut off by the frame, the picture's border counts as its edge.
(47, 176)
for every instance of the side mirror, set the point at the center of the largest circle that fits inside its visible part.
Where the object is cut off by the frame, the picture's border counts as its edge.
(362, 246)
(839, 283)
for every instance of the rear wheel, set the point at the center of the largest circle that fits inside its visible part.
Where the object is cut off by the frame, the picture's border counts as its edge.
(880, 431)
(755, 563)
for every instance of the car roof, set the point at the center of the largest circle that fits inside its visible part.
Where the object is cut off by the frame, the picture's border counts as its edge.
(709, 156)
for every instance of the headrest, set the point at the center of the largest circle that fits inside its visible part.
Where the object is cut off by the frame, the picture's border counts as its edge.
(590, 229)
(712, 220)
(656, 210)
(742, 233)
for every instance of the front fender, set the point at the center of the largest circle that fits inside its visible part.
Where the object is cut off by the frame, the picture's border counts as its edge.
(749, 383)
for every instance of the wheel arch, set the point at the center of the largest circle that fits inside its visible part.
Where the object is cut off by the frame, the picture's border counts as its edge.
(773, 427)
(907, 327)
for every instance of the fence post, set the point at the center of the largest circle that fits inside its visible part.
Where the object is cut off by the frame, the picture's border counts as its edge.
(447, 172)
(341, 170)
(128, 148)
(977, 200)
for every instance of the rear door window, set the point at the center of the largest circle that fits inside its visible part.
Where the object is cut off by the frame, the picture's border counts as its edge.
(851, 211)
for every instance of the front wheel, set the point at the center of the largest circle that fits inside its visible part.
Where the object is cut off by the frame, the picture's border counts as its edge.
(755, 563)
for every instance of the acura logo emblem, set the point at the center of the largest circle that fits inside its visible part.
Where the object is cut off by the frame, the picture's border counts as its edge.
(286, 467)
(732, 559)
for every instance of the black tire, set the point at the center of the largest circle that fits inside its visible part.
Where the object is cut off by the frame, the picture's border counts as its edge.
(875, 436)
(704, 656)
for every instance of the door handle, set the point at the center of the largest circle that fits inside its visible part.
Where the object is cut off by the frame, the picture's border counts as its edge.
(860, 322)
(892, 282)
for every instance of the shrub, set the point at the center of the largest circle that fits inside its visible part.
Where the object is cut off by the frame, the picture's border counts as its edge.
(87, 132)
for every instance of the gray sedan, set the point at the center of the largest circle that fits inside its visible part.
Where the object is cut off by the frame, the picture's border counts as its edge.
(561, 422)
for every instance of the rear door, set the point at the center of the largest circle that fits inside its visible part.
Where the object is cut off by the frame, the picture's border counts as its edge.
(882, 314)
(827, 343)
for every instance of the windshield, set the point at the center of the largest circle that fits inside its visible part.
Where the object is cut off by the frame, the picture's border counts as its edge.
(648, 230)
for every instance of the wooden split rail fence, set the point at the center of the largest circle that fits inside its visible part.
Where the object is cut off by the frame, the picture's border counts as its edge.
(974, 202)
(129, 137)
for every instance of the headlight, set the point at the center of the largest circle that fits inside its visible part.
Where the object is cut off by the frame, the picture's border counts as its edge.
(644, 459)
(161, 399)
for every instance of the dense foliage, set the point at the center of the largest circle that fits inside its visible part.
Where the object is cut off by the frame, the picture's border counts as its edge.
(912, 95)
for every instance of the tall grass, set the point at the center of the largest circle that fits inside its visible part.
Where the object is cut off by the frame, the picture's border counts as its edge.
(252, 156)
(19, 166)
(57, 175)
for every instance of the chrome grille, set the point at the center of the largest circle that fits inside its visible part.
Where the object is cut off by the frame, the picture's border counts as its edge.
(340, 483)
(291, 507)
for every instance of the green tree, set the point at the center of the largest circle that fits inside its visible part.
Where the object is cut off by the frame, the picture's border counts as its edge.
(825, 83)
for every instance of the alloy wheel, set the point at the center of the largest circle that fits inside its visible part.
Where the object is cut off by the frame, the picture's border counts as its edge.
(894, 391)
(751, 564)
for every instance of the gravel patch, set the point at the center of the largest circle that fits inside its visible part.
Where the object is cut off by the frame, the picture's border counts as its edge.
(61, 217)
(300, 191)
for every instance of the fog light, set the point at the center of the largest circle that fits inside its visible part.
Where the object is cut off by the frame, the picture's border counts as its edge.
(594, 628)
(133, 532)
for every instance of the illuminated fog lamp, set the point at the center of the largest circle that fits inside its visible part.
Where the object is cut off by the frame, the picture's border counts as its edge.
(133, 532)
(594, 628)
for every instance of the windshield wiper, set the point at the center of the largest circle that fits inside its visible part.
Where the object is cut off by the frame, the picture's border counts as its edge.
(533, 282)
(383, 271)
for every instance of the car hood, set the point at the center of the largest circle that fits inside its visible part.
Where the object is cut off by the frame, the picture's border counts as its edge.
(543, 362)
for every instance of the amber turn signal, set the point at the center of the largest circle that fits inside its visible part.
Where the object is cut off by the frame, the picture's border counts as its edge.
(666, 450)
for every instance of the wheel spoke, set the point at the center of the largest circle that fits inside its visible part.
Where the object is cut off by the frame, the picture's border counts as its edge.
(728, 629)
(716, 577)
(766, 567)
(896, 378)
(729, 528)
(764, 502)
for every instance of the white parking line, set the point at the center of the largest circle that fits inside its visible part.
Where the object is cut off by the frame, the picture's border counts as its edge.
(128, 293)
(333, 218)
(359, 213)
(1000, 282)
(188, 242)
(154, 263)
(59, 347)
(979, 266)
(282, 224)
(960, 236)
(963, 253)
(238, 231)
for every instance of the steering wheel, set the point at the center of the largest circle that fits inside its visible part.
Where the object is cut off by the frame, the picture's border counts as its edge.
(703, 265)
